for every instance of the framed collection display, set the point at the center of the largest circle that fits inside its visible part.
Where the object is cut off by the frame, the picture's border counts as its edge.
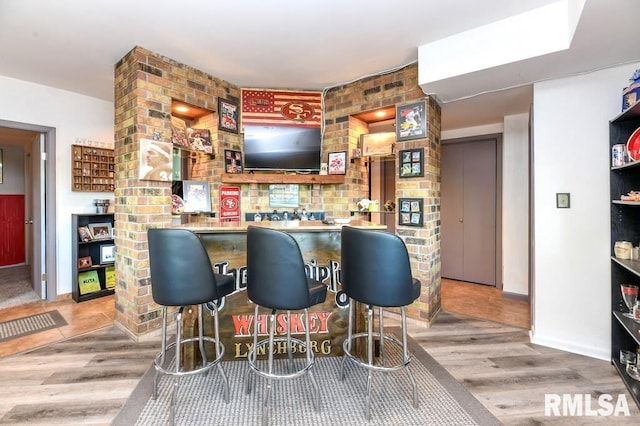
(337, 163)
(92, 169)
(232, 161)
(411, 162)
(228, 115)
(100, 231)
(411, 121)
(107, 253)
(411, 211)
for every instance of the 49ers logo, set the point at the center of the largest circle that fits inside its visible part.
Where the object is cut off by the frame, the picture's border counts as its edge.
(229, 203)
(298, 111)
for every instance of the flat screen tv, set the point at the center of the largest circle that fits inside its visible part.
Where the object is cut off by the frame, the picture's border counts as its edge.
(282, 148)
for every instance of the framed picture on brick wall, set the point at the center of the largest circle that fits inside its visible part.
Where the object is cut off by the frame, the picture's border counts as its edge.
(411, 121)
(411, 211)
(411, 162)
(228, 115)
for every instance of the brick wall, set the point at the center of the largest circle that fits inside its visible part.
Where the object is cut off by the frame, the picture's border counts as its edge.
(145, 86)
(342, 132)
(146, 83)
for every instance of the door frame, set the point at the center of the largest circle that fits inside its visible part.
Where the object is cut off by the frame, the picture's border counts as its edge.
(498, 139)
(44, 216)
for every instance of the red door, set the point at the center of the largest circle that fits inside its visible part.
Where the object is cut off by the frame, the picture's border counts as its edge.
(11, 229)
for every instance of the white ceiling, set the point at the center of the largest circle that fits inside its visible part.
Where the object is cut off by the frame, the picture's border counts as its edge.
(74, 44)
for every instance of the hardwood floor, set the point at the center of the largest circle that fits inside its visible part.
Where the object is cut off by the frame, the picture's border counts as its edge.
(87, 379)
(481, 301)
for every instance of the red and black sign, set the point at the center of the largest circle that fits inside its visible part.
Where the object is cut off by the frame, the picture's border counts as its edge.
(229, 203)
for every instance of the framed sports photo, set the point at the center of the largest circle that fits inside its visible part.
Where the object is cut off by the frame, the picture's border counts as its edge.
(411, 121)
(228, 115)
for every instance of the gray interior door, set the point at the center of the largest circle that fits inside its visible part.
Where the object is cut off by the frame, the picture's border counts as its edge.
(468, 211)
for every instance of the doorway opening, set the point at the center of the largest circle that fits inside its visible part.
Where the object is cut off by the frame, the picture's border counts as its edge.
(39, 202)
(470, 210)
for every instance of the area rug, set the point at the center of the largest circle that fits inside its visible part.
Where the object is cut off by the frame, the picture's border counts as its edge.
(442, 400)
(29, 325)
(15, 287)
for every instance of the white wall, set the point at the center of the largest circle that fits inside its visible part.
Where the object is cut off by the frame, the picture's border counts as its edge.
(73, 116)
(572, 246)
(12, 169)
(515, 204)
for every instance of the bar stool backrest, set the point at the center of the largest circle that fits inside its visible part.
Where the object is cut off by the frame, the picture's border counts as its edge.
(375, 268)
(181, 271)
(276, 275)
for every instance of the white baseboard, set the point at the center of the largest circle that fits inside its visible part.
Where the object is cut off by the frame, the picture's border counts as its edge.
(590, 351)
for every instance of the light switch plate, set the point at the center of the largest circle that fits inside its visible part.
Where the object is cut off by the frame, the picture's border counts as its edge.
(563, 200)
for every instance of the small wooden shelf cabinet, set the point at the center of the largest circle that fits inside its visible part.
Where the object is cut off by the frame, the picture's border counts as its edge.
(625, 226)
(101, 274)
(92, 169)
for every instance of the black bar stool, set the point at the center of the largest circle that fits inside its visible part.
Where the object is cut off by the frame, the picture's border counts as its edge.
(376, 272)
(182, 275)
(276, 280)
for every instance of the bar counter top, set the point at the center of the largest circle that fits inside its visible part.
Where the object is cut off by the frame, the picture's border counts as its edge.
(214, 226)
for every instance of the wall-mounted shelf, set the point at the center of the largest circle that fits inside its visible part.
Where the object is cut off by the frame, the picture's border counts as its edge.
(282, 178)
(92, 169)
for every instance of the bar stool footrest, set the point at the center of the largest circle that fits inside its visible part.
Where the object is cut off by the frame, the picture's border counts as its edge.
(268, 375)
(201, 369)
(364, 363)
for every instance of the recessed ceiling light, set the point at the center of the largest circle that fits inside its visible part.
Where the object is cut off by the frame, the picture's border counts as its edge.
(181, 108)
(381, 113)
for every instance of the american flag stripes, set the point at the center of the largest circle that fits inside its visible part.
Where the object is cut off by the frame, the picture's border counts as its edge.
(281, 107)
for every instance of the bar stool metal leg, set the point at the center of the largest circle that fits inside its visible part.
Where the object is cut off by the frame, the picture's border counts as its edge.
(163, 351)
(289, 345)
(314, 384)
(370, 361)
(381, 329)
(270, 374)
(253, 353)
(407, 357)
(220, 351)
(347, 344)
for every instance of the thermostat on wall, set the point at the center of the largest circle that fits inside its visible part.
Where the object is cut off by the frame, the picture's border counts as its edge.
(563, 200)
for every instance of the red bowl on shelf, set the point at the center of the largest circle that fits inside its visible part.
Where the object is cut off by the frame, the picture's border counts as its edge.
(633, 145)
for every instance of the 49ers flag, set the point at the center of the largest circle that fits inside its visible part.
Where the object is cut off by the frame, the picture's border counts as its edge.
(281, 107)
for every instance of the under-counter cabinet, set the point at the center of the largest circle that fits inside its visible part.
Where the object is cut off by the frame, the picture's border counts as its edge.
(93, 256)
(625, 226)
